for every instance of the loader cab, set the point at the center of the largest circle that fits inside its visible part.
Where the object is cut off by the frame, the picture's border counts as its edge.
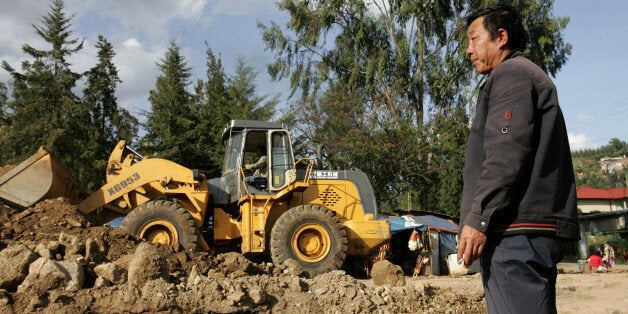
(245, 142)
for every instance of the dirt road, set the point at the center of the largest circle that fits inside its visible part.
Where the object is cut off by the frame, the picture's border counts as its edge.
(575, 292)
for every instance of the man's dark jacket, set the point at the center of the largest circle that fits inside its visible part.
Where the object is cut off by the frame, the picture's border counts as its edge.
(518, 175)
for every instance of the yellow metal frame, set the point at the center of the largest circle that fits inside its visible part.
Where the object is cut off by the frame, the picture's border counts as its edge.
(130, 185)
(259, 211)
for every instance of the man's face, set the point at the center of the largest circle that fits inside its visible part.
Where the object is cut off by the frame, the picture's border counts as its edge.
(484, 52)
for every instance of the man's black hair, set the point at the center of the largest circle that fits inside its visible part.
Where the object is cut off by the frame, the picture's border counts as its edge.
(502, 16)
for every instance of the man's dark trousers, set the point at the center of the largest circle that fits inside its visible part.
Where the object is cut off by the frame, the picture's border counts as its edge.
(519, 273)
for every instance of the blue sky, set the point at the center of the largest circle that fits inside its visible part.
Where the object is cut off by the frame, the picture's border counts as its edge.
(591, 85)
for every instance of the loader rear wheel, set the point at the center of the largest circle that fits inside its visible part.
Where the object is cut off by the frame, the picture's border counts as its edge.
(312, 236)
(162, 222)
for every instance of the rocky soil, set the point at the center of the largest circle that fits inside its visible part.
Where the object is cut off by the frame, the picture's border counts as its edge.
(54, 259)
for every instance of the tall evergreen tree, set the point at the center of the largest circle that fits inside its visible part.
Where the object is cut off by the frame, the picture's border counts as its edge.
(109, 122)
(43, 108)
(170, 123)
(242, 93)
(214, 113)
(222, 98)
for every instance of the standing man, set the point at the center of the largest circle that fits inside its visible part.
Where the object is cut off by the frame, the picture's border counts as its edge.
(518, 204)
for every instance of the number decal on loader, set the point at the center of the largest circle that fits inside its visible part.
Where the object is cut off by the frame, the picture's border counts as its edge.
(123, 184)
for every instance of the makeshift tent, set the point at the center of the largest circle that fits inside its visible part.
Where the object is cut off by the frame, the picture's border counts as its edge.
(441, 235)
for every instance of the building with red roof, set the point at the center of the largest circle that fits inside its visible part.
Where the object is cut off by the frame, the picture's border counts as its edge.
(591, 200)
(603, 218)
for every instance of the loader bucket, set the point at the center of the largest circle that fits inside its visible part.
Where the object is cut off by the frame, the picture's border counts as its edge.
(39, 177)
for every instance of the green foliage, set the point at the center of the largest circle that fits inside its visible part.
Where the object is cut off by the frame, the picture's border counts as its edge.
(245, 103)
(171, 121)
(384, 87)
(108, 122)
(546, 46)
(182, 126)
(615, 148)
(448, 141)
(222, 98)
(588, 170)
(214, 112)
(43, 109)
(187, 127)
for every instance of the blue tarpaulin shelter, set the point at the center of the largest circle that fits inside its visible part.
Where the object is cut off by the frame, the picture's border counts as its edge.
(442, 234)
(421, 223)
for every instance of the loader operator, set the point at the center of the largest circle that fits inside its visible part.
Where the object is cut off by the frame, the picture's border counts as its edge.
(260, 167)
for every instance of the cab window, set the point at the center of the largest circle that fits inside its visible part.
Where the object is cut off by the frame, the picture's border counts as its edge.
(233, 149)
(281, 158)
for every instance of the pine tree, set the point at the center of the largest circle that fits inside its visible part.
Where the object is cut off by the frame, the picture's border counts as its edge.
(171, 122)
(222, 98)
(246, 104)
(109, 122)
(43, 108)
(214, 113)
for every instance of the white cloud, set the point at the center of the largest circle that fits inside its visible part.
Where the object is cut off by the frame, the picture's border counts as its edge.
(151, 18)
(16, 18)
(583, 117)
(132, 43)
(137, 68)
(242, 7)
(581, 141)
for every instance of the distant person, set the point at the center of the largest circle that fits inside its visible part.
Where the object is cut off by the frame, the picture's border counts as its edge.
(518, 207)
(608, 256)
(596, 263)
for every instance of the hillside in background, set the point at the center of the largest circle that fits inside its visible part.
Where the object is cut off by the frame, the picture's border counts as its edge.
(604, 167)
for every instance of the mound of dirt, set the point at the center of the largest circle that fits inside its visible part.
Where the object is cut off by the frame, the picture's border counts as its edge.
(54, 259)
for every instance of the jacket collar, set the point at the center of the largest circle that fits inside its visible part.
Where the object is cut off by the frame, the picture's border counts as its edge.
(513, 54)
(510, 55)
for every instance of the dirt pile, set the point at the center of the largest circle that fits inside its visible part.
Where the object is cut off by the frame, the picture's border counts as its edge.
(54, 259)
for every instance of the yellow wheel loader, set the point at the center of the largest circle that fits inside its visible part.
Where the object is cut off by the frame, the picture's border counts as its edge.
(287, 210)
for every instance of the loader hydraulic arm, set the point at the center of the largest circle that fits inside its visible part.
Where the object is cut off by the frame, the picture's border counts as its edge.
(131, 183)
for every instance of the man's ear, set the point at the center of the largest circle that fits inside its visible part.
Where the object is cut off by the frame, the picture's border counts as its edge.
(502, 37)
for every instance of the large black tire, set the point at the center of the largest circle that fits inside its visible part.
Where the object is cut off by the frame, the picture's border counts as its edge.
(312, 236)
(162, 222)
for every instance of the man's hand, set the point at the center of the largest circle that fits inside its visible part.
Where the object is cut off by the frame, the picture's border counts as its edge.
(470, 245)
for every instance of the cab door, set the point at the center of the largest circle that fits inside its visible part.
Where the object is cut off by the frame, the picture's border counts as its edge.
(281, 172)
(230, 178)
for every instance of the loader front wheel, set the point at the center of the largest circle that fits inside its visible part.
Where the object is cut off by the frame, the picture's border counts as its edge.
(162, 222)
(312, 236)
